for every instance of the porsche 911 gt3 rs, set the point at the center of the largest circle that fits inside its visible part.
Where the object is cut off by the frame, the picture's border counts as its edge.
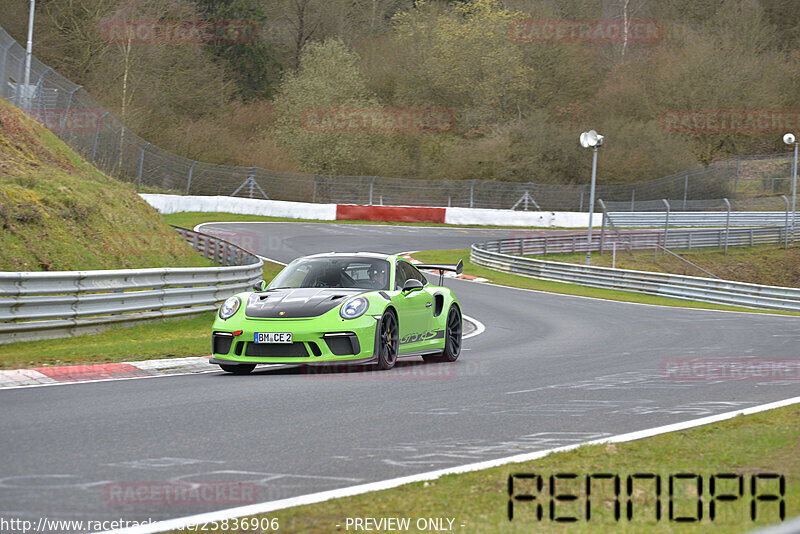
(340, 308)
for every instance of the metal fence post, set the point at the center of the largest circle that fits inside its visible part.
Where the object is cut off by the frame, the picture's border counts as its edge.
(633, 196)
(371, 187)
(603, 233)
(66, 111)
(141, 166)
(727, 224)
(472, 193)
(685, 190)
(666, 222)
(20, 77)
(39, 85)
(786, 226)
(96, 135)
(736, 180)
(314, 190)
(583, 189)
(189, 180)
(3, 77)
(250, 179)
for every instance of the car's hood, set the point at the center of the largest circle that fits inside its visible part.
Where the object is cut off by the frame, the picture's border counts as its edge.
(296, 303)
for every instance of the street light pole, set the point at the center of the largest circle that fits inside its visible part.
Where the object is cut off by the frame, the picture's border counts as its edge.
(794, 185)
(591, 207)
(28, 53)
(593, 140)
(791, 139)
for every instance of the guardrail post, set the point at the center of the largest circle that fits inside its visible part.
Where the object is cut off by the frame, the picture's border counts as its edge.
(727, 224)
(141, 166)
(97, 134)
(666, 222)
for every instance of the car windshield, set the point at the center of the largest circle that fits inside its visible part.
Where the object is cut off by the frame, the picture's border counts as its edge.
(345, 272)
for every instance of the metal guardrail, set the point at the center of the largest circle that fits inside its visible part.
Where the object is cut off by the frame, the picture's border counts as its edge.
(697, 218)
(644, 240)
(42, 305)
(494, 255)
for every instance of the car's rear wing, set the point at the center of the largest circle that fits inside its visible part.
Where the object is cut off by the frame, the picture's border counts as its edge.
(457, 268)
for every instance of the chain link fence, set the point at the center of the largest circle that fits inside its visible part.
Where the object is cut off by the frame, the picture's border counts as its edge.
(71, 113)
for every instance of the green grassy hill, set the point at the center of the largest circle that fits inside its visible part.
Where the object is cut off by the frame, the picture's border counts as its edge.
(57, 212)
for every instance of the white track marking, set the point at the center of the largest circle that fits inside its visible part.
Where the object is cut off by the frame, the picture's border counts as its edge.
(312, 498)
(480, 328)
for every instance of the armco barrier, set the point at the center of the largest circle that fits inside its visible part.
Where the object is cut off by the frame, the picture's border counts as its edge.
(686, 239)
(668, 285)
(697, 218)
(41, 305)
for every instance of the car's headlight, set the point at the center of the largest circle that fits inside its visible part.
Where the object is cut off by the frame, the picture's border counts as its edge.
(229, 308)
(354, 308)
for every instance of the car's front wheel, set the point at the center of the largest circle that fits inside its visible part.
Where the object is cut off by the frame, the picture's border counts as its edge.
(452, 338)
(388, 341)
(237, 369)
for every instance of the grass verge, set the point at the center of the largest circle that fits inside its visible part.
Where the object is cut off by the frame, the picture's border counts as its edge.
(168, 338)
(762, 443)
(506, 279)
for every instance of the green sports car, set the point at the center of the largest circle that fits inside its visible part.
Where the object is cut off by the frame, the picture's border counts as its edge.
(340, 308)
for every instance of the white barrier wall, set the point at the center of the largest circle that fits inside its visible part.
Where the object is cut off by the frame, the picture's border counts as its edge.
(561, 219)
(246, 206)
(327, 212)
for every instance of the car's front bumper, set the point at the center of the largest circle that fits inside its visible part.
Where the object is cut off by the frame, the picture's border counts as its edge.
(313, 342)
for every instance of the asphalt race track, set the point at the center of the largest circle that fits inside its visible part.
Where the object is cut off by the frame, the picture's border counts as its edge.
(549, 370)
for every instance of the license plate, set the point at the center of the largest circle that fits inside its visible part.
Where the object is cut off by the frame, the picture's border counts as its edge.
(273, 337)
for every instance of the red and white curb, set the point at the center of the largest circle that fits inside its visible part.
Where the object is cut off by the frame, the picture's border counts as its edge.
(51, 375)
(449, 274)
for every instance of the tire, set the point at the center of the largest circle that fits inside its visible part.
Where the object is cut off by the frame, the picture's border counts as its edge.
(237, 369)
(452, 338)
(388, 341)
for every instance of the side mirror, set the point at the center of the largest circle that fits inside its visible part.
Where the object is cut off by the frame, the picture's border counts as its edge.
(412, 284)
(261, 285)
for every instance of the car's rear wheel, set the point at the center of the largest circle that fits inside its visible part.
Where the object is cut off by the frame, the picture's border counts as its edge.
(389, 341)
(237, 369)
(452, 338)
